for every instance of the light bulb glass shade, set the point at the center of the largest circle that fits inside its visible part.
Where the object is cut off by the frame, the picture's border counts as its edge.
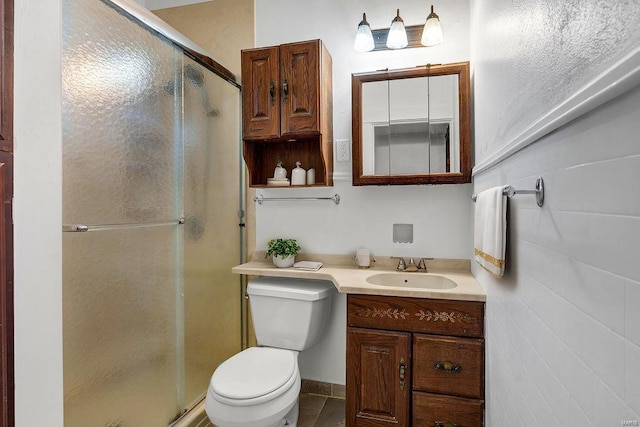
(397, 37)
(364, 38)
(432, 32)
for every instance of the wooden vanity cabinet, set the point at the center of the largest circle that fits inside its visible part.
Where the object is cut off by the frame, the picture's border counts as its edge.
(414, 362)
(287, 110)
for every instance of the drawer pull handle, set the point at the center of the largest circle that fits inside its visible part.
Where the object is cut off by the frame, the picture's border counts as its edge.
(444, 424)
(447, 366)
(403, 368)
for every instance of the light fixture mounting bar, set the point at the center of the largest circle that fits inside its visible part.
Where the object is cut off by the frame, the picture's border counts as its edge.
(414, 35)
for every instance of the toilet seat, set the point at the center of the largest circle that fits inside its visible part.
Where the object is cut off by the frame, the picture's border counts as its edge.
(253, 376)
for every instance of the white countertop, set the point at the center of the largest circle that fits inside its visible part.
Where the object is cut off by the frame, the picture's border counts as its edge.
(350, 279)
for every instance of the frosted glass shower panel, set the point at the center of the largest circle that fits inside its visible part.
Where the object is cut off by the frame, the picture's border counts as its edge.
(150, 305)
(119, 96)
(119, 304)
(211, 233)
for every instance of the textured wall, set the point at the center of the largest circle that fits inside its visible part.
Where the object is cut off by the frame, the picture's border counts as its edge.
(221, 27)
(563, 325)
(531, 55)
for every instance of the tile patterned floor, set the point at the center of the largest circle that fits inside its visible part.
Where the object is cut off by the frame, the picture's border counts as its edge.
(315, 411)
(320, 411)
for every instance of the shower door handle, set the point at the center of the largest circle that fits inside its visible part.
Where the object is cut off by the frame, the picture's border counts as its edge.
(81, 228)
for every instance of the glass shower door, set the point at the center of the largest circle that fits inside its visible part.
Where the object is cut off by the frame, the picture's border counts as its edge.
(121, 177)
(212, 295)
(150, 305)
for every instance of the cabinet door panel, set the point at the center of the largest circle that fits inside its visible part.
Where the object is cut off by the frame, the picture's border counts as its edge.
(378, 377)
(434, 410)
(448, 365)
(260, 94)
(300, 87)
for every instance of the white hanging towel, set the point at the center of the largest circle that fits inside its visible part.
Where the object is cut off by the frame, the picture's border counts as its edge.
(490, 234)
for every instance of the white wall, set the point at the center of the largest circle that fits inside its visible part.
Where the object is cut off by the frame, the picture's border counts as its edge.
(38, 213)
(563, 325)
(365, 215)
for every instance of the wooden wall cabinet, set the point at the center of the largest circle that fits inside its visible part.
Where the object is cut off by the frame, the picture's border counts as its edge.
(287, 110)
(414, 362)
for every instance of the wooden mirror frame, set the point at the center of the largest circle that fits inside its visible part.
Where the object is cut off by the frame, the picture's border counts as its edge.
(464, 90)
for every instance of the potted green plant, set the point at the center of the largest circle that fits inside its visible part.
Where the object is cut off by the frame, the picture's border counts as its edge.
(284, 251)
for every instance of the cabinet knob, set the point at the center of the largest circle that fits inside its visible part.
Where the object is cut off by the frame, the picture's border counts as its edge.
(285, 90)
(447, 366)
(445, 424)
(403, 368)
(272, 92)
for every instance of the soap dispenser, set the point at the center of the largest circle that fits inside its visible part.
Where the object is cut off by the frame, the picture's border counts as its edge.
(279, 172)
(298, 175)
(279, 177)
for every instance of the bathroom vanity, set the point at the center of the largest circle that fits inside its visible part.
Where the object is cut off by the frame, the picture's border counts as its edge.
(414, 361)
(415, 341)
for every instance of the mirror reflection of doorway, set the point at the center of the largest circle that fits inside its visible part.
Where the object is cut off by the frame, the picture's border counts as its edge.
(411, 147)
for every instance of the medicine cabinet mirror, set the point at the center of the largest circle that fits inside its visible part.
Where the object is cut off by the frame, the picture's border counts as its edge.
(412, 126)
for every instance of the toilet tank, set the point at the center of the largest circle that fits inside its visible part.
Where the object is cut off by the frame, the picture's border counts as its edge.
(289, 313)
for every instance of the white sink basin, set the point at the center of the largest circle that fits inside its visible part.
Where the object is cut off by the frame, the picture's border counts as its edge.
(412, 280)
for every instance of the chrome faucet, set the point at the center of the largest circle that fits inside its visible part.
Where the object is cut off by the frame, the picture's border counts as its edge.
(411, 267)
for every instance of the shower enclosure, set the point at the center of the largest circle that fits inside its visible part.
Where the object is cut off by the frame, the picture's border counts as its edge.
(152, 193)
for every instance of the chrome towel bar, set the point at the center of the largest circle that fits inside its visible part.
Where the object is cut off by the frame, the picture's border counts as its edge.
(260, 199)
(509, 191)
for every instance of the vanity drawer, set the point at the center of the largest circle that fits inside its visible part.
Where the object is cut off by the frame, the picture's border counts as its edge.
(434, 316)
(445, 411)
(448, 365)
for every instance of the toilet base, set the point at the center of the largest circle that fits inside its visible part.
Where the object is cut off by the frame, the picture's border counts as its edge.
(291, 419)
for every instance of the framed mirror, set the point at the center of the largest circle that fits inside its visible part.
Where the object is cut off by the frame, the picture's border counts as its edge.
(412, 126)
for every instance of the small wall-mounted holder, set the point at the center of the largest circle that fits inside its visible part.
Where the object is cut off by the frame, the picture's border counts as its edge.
(509, 191)
(402, 233)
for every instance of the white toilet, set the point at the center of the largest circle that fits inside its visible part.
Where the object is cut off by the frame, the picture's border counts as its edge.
(259, 386)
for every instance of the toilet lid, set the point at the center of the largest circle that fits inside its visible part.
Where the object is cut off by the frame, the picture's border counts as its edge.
(254, 372)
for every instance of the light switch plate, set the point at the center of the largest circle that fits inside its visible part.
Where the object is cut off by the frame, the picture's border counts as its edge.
(343, 153)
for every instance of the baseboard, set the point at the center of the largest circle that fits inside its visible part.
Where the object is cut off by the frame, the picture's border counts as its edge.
(323, 389)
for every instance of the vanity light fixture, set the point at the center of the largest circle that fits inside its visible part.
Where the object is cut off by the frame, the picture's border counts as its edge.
(432, 32)
(364, 39)
(397, 37)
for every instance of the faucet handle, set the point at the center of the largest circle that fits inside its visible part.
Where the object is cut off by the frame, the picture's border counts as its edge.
(421, 265)
(401, 264)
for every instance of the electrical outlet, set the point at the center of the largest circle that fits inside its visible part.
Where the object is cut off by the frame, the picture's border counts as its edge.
(342, 150)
